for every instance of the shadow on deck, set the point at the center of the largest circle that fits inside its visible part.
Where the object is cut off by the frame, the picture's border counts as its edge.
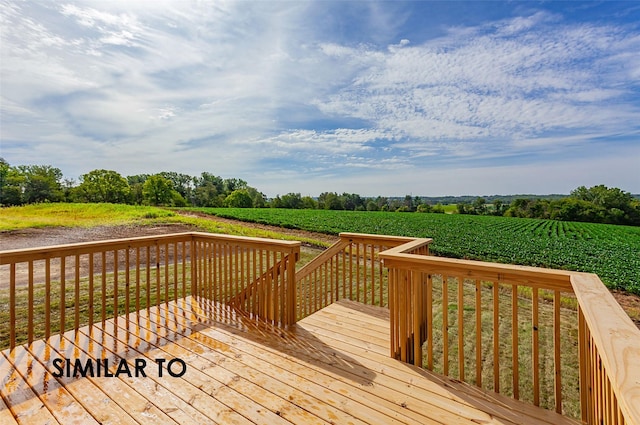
(331, 367)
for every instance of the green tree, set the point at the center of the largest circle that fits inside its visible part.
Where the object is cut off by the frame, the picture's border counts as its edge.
(135, 184)
(239, 198)
(104, 186)
(424, 208)
(11, 184)
(157, 190)
(258, 199)
(308, 203)
(234, 184)
(181, 183)
(291, 201)
(480, 206)
(330, 201)
(209, 191)
(42, 183)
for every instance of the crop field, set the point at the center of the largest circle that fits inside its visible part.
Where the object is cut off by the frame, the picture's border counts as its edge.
(612, 252)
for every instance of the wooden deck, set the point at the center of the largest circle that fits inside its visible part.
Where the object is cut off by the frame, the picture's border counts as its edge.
(331, 367)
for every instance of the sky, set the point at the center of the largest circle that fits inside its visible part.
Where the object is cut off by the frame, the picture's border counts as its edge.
(375, 98)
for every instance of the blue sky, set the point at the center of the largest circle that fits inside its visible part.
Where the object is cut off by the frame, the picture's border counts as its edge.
(390, 98)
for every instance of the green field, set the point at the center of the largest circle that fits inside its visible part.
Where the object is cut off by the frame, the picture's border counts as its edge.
(612, 252)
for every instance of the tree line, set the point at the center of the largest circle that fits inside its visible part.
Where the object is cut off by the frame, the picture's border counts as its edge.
(26, 184)
(43, 183)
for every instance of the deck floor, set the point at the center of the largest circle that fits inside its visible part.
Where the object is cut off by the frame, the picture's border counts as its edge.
(332, 367)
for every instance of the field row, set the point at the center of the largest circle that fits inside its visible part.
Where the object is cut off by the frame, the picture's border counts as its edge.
(612, 252)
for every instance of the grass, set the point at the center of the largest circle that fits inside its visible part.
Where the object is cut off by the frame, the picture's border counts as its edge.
(79, 215)
(92, 215)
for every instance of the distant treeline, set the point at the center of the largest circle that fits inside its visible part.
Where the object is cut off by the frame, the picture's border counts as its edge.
(25, 184)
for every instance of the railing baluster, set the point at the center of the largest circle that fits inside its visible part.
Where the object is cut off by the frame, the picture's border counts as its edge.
(103, 275)
(115, 286)
(63, 273)
(496, 337)
(478, 308)
(557, 351)
(166, 273)
(127, 285)
(461, 328)
(416, 305)
(445, 324)
(12, 305)
(535, 349)
(76, 265)
(148, 276)
(183, 255)
(429, 322)
(47, 298)
(175, 271)
(373, 275)
(30, 304)
(514, 341)
(156, 258)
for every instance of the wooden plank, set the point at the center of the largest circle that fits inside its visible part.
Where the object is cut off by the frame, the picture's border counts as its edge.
(326, 366)
(400, 409)
(398, 368)
(77, 345)
(277, 360)
(25, 405)
(6, 417)
(64, 407)
(380, 361)
(178, 398)
(241, 395)
(391, 369)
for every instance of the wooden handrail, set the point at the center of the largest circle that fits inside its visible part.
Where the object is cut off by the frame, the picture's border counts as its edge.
(607, 336)
(609, 342)
(541, 278)
(321, 259)
(350, 269)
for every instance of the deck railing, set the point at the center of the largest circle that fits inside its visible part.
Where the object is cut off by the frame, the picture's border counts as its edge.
(349, 269)
(59, 288)
(498, 326)
(505, 328)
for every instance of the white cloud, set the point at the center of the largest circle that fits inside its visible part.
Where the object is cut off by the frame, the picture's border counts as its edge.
(226, 86)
